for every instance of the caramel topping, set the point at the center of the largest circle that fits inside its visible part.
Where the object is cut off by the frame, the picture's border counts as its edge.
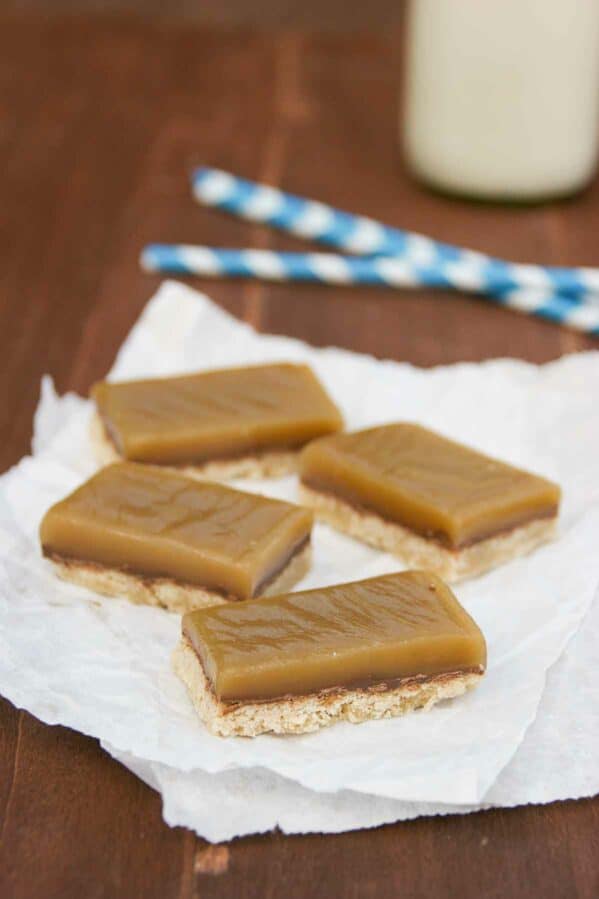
(357, 634)
(215, 414)
(161, 524)
(432, 485)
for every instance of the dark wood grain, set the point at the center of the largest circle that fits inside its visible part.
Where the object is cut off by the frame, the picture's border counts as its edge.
(334, 15)
(100, 121)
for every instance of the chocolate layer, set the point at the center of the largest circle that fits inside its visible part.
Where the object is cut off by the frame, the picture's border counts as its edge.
(147, 578)
(368, 688)
(254, 452)
(437, 536)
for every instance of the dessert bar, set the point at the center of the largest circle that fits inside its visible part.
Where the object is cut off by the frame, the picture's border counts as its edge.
(160, 538)
(432, 502)
(297, 662)
(238, 422)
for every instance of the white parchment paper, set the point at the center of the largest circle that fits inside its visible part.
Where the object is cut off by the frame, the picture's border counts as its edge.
(102, 665)
(556, 760)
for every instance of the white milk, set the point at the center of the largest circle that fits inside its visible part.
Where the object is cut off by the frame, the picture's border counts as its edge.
(502, 96)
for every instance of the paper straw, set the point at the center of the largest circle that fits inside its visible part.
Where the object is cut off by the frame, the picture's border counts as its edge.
(448, 266)
(331, 268)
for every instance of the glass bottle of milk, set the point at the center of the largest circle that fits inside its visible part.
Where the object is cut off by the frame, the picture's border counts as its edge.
(502, 96)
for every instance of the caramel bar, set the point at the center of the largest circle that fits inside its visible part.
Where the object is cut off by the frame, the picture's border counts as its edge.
(293, 663)
(160, 538)
(238, 422)
(430, 501)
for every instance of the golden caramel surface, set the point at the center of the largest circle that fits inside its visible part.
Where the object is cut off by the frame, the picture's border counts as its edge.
(355, 634)
(215, 414)
(161, 524)
(436, 487)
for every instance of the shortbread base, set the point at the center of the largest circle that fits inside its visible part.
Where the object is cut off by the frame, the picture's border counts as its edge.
(272, 464)
(167, 593)
(304, 714)
(417, 551)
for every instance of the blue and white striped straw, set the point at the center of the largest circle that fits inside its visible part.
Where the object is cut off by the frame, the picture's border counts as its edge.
(331, 268)
(440, 264)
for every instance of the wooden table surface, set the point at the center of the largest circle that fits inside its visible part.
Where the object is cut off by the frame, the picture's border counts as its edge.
(100, 122)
